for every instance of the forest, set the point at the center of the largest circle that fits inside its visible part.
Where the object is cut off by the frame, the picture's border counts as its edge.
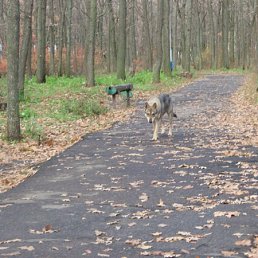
(69, 38)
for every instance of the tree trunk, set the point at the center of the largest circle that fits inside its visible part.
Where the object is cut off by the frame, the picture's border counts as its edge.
(147, 49)
(165, 39)
(212, 36)
(69, 37)
(158, 63)
(256, 35)
(29, 56)
(199, 37)
(61, 38)
(242, 46)
(87, 23)
(52, 38)
(91, 48)
(121, 41)
(41, 44)
(174, 33)
(112, 57)
(13, 28)
(232, 35)
(132, 41)
(188, 27)
(28, 7)
(225, 21)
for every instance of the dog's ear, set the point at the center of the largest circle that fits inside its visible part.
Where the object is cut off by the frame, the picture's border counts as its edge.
(154, 105)
(146, 105)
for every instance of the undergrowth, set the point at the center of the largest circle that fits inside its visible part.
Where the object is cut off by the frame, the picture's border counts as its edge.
(63, 99)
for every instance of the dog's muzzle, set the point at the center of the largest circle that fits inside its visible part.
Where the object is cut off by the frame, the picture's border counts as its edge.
(150, 120)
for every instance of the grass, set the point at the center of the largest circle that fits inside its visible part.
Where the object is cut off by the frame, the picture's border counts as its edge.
(63, 99)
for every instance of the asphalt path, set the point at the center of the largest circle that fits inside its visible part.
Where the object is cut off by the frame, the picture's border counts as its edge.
(116, 193)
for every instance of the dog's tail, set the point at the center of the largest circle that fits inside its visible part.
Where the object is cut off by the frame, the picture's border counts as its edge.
(174, 115)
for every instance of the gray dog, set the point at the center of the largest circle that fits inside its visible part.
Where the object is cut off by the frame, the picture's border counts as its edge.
(155, 108)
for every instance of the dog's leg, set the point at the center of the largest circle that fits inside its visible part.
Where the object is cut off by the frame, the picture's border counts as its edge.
(156, 130)
(162, 127)
(170, 119)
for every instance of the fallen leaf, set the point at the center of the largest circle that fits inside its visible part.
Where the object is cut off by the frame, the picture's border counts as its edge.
(228, 214)
(229, 253)
(27, 248)
(161, 203)
(144, 246)
(133, 242)
(244, 242)
(143, 197)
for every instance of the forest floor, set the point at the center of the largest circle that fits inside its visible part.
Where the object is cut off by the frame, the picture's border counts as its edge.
(21, 160)
(116, 193)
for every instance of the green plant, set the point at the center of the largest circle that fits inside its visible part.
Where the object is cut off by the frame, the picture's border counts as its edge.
(33, 129)
(28, 113)
(83, 107)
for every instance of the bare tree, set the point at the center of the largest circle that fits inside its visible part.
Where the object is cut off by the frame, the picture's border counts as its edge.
(132, 41)
(52, 28)
(69, 37)
(62, 5)
(187, 36)
(112, 49)
(13, 27)
(28, 7)
(147, 49)
(212, 36)
(91, 44)
(158, 47)
(41, 43)
(225, 30)
(121, 41)
(174, 32)
(166, 39)
(256, 35)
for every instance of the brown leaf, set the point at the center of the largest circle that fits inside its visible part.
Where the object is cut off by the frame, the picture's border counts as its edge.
(244, 242)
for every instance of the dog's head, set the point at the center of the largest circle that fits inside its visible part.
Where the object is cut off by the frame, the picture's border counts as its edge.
(150, 111)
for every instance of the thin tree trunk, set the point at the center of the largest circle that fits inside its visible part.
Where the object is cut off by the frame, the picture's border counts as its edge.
(174, 33)
(52, 38)
(212, 36)
(29, 65)
(87, 22)
(225, 21)
(165, 39)
(13, 28)
(112, 56)
(158, 63)
(256, 35)
(147, 49)
(91, 48)
(188, 27)
(232, 35)
(28, 7)
(121, 41)
(61, 38)
(242, 45)
(69, 37)
(41, 44)
(199, 39)
(132, 44)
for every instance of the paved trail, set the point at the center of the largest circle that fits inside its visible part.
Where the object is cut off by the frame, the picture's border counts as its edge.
(118, 194)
